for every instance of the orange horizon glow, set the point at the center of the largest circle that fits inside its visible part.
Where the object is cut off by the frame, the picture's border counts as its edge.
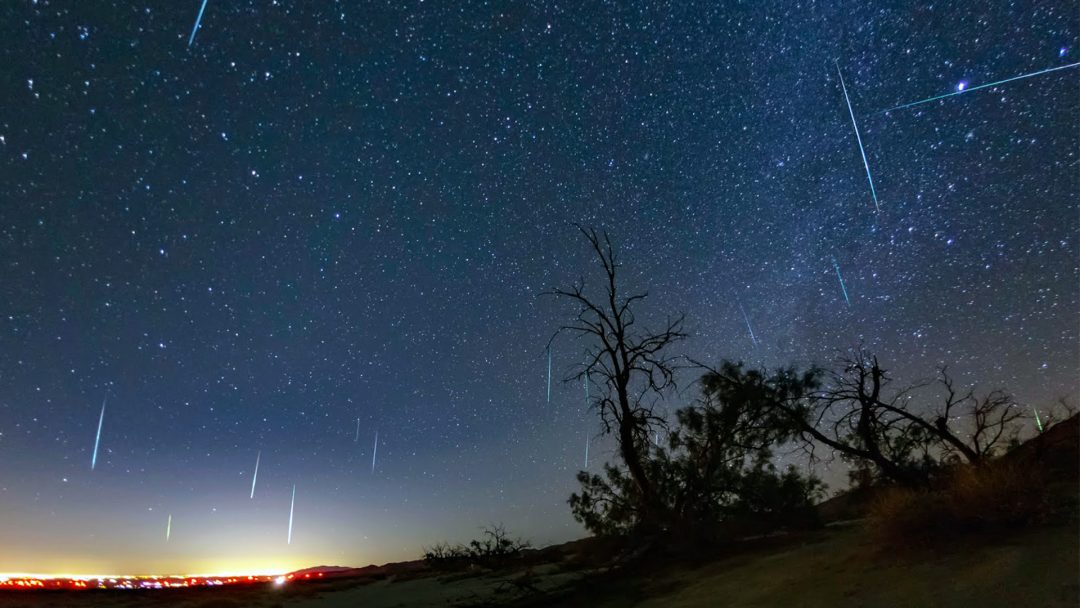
(87, 577)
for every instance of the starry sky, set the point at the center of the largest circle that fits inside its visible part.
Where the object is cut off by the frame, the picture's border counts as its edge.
(329, 216)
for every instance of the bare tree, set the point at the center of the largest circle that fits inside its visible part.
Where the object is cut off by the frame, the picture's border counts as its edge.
(854, 412)
(628, 363)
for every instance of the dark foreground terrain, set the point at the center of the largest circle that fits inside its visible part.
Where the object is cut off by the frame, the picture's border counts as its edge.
(832, 567)
(838, 565)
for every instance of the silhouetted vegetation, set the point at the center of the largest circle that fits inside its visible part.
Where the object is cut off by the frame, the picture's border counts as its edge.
(714, 476)
(966, 499)
(630, 367)
(494, 549)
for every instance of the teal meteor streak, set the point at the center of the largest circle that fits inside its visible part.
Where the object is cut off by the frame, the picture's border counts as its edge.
(983, 86)
(198, 20)
(841, 278)
(858, 138)
(97, 440)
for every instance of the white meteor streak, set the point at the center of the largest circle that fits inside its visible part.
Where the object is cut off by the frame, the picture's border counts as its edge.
(858, 138)
(549, 376)
(198, 20)
(748, 328)
(97, 440)
(291, 506)
(168, 528)
(256, 475)
(586, 450)
(374, 451)
(357, 439)
(983, 86)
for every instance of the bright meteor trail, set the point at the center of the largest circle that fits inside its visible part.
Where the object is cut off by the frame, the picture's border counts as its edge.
(291, 506)
(858, 138)
(97, 440)
(747, 319)
(549, 376)
(256, 475)
(198, 20)
(374, 451)
(983, 86)
(841, 278)
(168, 528)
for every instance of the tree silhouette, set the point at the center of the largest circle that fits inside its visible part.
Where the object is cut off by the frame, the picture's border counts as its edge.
(628, 363)
(854, 412)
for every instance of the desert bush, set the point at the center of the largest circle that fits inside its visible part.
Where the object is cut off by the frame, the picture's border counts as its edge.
(966, 499)
(493, 549)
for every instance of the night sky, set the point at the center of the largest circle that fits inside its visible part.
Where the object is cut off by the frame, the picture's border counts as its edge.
(328, 211)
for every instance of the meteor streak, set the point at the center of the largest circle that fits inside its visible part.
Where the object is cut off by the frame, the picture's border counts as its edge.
(983, 86)
(291, 506)
(357, 440)
(858, 138)
(586, 450)
(168, 528)
(256, 475)
(374, 451)
(1038, 421)
(841, 278)
(586, 388)
(549, 376)
(747, 319)
(97, 440)
(198, 20)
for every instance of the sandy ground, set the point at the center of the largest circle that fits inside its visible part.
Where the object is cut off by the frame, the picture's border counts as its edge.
(829, 568)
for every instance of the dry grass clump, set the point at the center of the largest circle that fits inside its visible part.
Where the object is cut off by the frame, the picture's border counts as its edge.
(968, 499)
